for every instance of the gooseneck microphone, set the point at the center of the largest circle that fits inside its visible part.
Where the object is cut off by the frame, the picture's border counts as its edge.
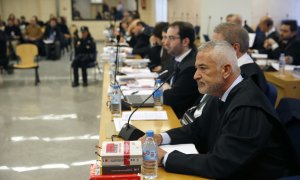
(117, 58)
(130, 132)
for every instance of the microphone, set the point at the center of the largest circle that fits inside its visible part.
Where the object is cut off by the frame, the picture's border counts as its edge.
(117, 58)
(130, 132)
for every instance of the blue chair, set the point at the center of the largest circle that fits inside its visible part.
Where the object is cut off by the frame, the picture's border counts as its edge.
(271, 93)
(289, 113)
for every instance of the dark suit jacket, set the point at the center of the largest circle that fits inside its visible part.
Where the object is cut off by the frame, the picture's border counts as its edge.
(142, 44)
(154, 56)
(239, 139)
(291, 48)
(184, 91)
(253, 71)
(260, 39)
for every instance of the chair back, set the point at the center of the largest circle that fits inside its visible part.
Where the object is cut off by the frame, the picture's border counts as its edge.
(289, 113)
(271, 93)
(27, 53)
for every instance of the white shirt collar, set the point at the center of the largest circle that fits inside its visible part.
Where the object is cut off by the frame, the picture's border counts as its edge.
(270, 31)
(182, 56)
(244, 59)
(235, 82)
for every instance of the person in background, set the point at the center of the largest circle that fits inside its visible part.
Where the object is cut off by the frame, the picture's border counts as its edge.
(33, 34)
(266, 26)
(142, 34)
(66, 39)
(289, 43)
(52, 39)
(237, 19)
(156, 51)
(236, 137)
(85, 52)
(181, 91)
(39, 22)
(4, 61)
(238, 37)
(13, 34)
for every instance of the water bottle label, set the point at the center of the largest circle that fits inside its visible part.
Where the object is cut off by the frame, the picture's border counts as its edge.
(157, 93)
(149, 155)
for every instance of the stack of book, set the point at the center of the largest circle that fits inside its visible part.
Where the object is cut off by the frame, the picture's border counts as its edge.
(119, 160)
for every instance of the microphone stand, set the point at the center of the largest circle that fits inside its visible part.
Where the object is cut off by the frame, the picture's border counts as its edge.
(130, 132)
(117, 59)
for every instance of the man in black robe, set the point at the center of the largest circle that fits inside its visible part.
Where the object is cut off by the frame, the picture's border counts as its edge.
(238, 135)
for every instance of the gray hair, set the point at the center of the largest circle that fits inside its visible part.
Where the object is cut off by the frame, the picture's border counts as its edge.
(234, 33)
(223, 53)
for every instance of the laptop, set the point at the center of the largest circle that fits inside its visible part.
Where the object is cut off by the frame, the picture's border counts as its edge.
(136, 100)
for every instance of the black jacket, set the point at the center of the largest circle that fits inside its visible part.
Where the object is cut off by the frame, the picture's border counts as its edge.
(291, 48)
(142, 44)
(241, 138)
(184, 91)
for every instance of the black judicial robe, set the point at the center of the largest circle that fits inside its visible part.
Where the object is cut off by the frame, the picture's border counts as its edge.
(239, 139)
(253, 71)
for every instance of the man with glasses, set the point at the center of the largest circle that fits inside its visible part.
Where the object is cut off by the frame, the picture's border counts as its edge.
(181, 92)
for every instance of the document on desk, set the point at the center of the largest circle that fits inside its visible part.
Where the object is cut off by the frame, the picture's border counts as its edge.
(184, 148)
(146, 115)
(119, 123)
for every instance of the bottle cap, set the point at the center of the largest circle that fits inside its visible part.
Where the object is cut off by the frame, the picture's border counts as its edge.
(158, 81)
(115, 86)
(149, 133)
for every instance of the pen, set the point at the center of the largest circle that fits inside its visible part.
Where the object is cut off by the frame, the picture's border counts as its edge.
(133, 93)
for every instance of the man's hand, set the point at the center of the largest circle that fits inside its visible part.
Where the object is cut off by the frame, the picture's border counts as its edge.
(161, 154)
(166, 86)
(157, 139)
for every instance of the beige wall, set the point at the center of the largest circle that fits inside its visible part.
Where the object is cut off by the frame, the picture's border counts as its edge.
(179, 10)
(28, 8)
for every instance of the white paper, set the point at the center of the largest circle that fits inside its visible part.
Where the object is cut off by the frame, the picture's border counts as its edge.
(259, 56)
(184, 148)
(119, 123)
(146, 115)
(137, 92)
(251, 39)
(287, 67)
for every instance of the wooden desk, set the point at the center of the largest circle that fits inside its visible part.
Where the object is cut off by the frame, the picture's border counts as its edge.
(107, 126)
(287, 85)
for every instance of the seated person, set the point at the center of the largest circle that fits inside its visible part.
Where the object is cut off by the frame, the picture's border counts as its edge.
(181, 92)
(13, 34)
(52, 40)
(266, 26)
(33, 34)
(236, 137)
(289, 43)
(4, 61)
(141, 35)
(66, 36)
(85, 51)
(156, 51)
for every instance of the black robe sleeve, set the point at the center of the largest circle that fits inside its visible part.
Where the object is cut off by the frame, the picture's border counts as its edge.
(242, 135)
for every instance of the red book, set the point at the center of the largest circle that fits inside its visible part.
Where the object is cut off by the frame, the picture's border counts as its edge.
(94, 176)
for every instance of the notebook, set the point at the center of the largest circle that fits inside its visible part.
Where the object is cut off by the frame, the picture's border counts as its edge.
(136, 100)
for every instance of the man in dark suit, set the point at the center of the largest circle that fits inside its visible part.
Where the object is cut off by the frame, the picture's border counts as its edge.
(239, 39)
(266, 26)
(181, 92)
(142, 33)
(238, 135)
(289, 44)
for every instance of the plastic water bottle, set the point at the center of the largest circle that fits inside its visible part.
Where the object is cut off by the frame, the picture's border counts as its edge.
(157, 96)
(149, 168)
(281, 64)
(115, 102)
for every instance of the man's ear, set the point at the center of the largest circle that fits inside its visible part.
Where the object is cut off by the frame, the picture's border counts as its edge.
(186, 41)
(226, 71)
(236, 47)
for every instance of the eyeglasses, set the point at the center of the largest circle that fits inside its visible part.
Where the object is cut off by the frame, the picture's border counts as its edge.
(171, 38)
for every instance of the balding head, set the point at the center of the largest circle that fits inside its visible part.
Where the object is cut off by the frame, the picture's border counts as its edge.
(266, 23)
(234, 18)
